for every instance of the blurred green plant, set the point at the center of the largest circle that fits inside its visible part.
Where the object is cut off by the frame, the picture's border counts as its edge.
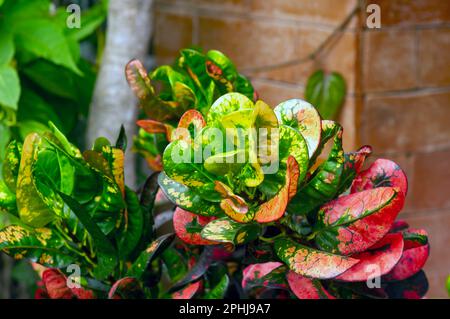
(42, 73)
(326, 92)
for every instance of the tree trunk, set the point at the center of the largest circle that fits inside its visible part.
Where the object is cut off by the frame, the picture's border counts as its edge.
(128, 36)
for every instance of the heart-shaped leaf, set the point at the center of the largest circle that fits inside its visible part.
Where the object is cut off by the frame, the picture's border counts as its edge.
(310, 262)
(305, 288)
(274, 208)
(225, 230)
(415, 254)
(376, 261)
(188, 227)
(326, 92)
(304, 117)
(352, 223)
(382, 173)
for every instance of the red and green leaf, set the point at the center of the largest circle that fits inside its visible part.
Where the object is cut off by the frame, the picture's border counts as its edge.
(324, 183)
(310, 262)
(55, 283)
(353, 223)
(353, 163)
(382, 173)
(305, 288)
(415, 254)
(189, 291)
(304, 117)
(267, 275)
(126, 288)
(384, 255)
(225, 230)
(233, 205)
(274, 209)
(191, 123)
(188, 227)
(155, 127)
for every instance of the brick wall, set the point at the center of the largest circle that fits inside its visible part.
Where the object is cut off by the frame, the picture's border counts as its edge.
(405, 114)
(398, 80)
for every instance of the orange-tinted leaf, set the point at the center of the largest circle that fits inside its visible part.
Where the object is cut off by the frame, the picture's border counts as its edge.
(382, 173)
(305, 288)
(191, 120)
(274, 208)
(413, 258)
(310, 262)
(188, 227)
(152, 126)
(384, 255)
(353, 223)
(188, 292)
(233, 205)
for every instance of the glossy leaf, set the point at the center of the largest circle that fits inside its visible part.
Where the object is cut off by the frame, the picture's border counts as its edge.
(382, 173)
(414, 287)
(274, 209)
(324, 183)
(414, 256)
(220, 289)
(11, 164)
(147, 202)
(40, 245)
(126, 288)
(352, 223)
(227, 104)
(353, 163)
(305, 288)
(141, 264)
(292, 143)
(326, 92)
(188, 227)
(304, 117)
(186, 198)
(310, 262)
(376, 261)
(225, 230)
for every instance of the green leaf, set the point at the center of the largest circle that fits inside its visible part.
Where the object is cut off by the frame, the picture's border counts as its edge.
(141, 264)
(121, 142)
(9, 87)
(326, 92)
(147, 202)
(186, 198)
(41, 245)
(225, 230)
(310, 262)
(91, 20)
(107, 255)
(219, 290)
(227, 104)
(292, 143)
(6, 46)
(324, 183)
(175, 264)
(7, 199)
(132, 229)
(244, 86)
(45, 39)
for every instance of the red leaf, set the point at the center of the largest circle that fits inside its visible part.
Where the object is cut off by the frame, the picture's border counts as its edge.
(305, 288)
(274, 208)
(398, 225)
(256, 271)
(152, 126)
(413, 258)
(188, 227)
(353, 223)
(55, 283)
(188, 292)
(382, 173)
(191, 117)
(384, 255)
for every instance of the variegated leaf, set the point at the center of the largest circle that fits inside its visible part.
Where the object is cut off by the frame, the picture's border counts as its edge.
(225, 230)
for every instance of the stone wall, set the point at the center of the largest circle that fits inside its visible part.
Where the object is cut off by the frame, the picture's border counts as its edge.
(398, 80)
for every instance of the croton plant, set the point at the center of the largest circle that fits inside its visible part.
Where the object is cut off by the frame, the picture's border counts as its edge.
(194, 81)
(309, 228)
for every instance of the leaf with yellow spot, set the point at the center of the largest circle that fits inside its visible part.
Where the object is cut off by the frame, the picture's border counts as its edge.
(225, 230)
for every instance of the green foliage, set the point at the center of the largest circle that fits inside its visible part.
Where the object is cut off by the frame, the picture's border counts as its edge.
(194, 81)
(326, 92)
(42, 74)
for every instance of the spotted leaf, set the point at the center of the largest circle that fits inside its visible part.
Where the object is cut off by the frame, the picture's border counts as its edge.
(352, 223)
(11, 164)
(225, 230)
(226, 104)
(188, 227)
(304, 117)
(305, 288)
(310, 262)
(382, 173)
(376, 261)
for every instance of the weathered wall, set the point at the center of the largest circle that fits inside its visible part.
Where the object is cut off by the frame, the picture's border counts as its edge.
(398, 81)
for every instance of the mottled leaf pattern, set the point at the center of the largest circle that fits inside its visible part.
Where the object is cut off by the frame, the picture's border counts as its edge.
(225, 230)
(188, 227)
(305, 288)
